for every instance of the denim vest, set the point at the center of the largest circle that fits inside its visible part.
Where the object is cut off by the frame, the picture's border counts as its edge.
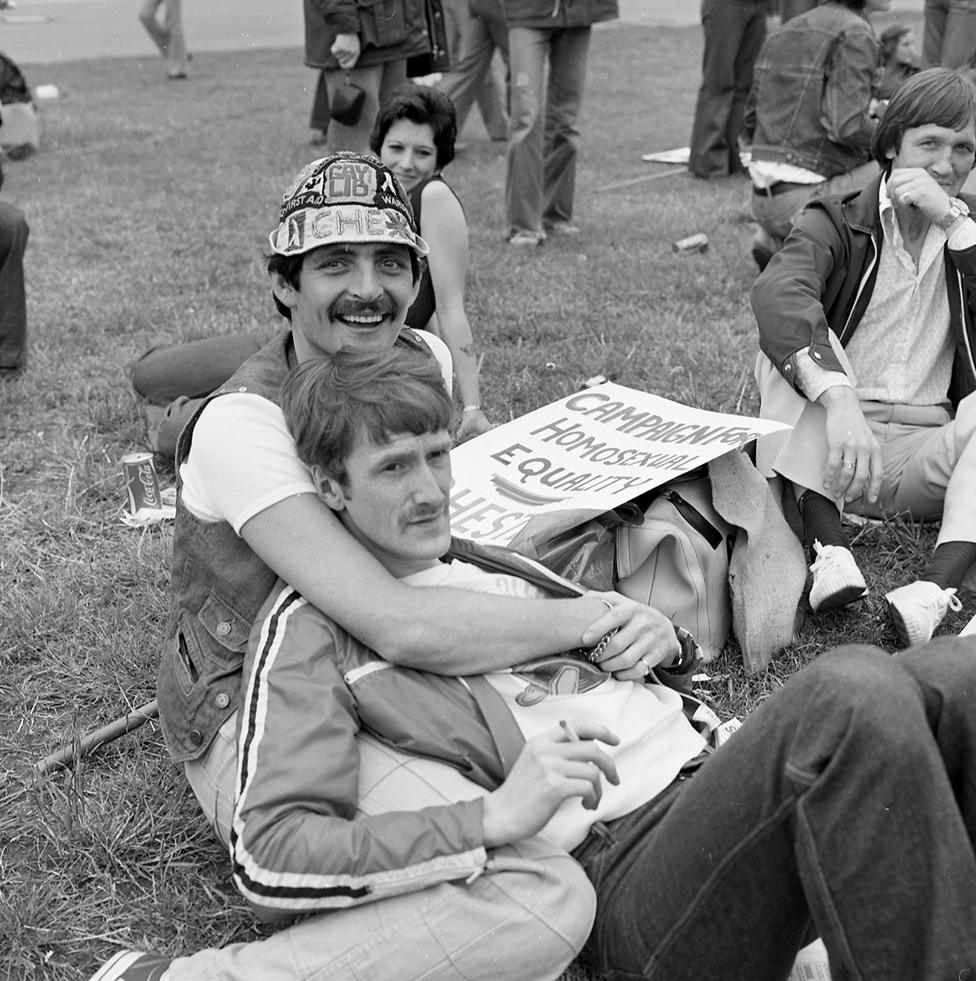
(218, 586)
(786, 102)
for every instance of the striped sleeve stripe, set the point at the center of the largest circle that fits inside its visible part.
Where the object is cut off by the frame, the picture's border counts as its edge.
(304, 890)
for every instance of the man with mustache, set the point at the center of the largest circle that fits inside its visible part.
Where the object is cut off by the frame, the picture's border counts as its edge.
(345, 262)
(866, 324)
(843, 806)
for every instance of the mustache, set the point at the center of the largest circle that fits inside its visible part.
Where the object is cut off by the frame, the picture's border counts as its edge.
(423, 511)
(381, 307)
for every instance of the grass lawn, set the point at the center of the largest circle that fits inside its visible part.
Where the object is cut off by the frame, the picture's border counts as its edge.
(149, 206)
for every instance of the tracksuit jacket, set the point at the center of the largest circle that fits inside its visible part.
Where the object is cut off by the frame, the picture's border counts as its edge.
(823, 278)
(297, 843)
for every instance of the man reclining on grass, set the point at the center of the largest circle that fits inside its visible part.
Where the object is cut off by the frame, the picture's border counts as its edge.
(845, 806)
(345, 266)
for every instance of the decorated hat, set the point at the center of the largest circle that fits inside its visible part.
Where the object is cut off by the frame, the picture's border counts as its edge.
(346, 197)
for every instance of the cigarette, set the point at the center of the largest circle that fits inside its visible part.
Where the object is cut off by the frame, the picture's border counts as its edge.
(570, 731)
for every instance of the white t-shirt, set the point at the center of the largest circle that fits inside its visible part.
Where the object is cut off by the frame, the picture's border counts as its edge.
(656, 739)
(242, 459)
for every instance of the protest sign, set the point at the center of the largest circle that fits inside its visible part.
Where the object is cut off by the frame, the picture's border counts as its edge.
(580, 456)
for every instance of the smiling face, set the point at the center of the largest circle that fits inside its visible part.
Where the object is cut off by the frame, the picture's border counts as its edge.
(946, 154)
(409, 150)
(394, 499)
(905, 53)
(348, 295)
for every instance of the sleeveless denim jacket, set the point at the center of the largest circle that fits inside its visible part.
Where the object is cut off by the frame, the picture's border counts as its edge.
(218, 585)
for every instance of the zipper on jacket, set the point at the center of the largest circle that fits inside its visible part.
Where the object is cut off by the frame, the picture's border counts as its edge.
(860, 288)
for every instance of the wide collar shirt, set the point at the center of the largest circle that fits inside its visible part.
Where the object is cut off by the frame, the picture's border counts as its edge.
(902, 350)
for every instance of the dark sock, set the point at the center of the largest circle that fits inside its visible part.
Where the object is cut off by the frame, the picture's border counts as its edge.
(949, 564)
(821, 522)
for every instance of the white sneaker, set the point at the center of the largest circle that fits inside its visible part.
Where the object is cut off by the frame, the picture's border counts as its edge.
(523, 240)
(837, 580)
(918, 608)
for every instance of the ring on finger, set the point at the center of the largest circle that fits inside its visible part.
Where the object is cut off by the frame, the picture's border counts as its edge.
(847, 465)
(647, 667)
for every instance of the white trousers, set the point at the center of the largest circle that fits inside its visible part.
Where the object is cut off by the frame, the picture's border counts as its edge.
(524, 919)
(929, 456)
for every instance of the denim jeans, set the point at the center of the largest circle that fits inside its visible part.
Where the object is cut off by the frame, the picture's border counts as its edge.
(525, 917)
(543, 135)
(844, 807)
(477, 35)
(13, 301)
(180, 376)
(734, 33)
(776, 213)
(949, 36)
(168, 35)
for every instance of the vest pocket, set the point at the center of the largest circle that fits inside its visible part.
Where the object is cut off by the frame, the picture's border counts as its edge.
(224, 624)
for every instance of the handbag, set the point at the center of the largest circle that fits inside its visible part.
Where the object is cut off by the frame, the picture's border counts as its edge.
(676, 559)
(668, 548)
(347, 103)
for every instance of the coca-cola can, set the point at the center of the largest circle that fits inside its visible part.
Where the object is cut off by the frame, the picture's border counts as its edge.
(693, 243)
(141, 482)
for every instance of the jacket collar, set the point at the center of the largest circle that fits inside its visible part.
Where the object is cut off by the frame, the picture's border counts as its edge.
(861, 210)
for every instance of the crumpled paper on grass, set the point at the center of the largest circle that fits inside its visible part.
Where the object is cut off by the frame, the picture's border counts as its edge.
(151, 516)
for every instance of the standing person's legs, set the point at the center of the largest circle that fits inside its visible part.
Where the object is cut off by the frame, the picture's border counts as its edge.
(469, 76)
(933, 31)
(158, 33)
(176, 49)
(846, 806)
(376, 81)
(319, 119)
(724, 26)
(13, 299)
(567, 78)
(528, 49)
(959, 34)
(753, 36)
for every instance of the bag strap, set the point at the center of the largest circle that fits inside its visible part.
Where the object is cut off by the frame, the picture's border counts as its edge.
(498, 717)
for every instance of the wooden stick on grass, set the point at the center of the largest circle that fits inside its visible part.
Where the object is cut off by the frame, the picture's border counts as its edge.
(99, 737)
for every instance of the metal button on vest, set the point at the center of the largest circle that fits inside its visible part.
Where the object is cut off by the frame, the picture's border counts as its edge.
(223, 628)
(221, 699)
(196, 737)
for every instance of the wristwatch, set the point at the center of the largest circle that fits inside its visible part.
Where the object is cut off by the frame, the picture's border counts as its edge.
(956, 210)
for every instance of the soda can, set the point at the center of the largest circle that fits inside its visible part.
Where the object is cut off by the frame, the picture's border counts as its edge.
(693, 243)
(141, 482)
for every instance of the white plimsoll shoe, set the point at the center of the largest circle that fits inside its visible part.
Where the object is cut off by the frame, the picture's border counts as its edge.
(837, 580)
(918, 608)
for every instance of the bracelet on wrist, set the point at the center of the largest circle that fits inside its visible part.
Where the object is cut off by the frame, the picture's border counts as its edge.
(471, 408)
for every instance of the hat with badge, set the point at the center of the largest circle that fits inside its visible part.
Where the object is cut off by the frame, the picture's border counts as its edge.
(344, 198)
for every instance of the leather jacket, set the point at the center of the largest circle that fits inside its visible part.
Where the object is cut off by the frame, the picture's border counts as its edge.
(823, 278)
